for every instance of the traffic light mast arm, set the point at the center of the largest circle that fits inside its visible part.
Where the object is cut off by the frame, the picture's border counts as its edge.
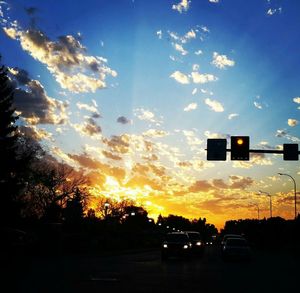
(264, 151)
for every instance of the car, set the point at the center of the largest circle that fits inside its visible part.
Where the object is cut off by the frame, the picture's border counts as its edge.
(176, 244)
(197, 241)
(226, 236)
(236, 249)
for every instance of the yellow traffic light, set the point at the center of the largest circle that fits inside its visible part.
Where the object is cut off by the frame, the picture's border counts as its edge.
(240, 148)
(240, 141)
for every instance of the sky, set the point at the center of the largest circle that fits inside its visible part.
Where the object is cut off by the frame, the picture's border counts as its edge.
(129, 91)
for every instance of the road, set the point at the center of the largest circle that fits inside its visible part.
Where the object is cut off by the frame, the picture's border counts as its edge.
(143, 271)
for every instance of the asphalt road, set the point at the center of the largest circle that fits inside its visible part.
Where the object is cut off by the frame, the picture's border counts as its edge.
(143, 271)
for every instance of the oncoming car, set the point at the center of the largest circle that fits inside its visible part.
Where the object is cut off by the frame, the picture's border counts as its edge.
(197, 241)
(176, 244)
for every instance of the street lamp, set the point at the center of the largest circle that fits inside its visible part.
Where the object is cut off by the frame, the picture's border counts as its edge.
(269, 195)
(295, 192)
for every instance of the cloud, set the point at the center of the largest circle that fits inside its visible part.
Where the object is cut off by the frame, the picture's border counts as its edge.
(90, 108)
(194, 91)
(208, 134)
(214, 105)
(88, 128)
(35, 106)
(159, 34)
(190, 107)
(255, 159)
(297, 100)
(118, 144)
(221, 61)
(111, 156)
(180, 77)
(233, 115)
(198, 52)
(35, 133)
(65, 58)
(272, 11)
(180, 49)
(214, 1)
(181, 6)
(155, 133)
(202, 78)
(258, 105)
(292, 122)
(284, 134)
(200, 185)
(124, 120)
(147, 115)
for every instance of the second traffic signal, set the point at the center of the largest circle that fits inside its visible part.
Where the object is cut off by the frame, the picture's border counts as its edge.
(240, 148)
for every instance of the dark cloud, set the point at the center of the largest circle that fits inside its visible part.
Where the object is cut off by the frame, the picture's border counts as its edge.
(123, 120)
(200, 185)
(219, 183)
(21, 76)
(96, 115)
(241, 182)
(91, 127)
(36, 105)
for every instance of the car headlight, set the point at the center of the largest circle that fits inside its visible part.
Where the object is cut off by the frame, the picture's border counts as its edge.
(185, 246)
(165, 245)
(198, 243)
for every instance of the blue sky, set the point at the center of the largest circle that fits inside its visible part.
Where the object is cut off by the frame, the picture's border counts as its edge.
(130, 91)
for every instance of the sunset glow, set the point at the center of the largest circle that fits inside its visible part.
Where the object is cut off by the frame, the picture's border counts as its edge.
(129, 92)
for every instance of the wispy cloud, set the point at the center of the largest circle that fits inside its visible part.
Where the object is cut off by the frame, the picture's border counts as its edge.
(180, 49)
(222, 61)
(202, 78)
(146, 115)
(214, 105)
(233, 115)
(190, 107)
(284, 134)
(257, 105)
(180, 77)
(182, 6)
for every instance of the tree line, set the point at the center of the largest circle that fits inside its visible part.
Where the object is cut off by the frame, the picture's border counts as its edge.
(51, 198)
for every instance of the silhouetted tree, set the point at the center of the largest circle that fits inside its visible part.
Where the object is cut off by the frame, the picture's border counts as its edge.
(52, 184)
(74, 210)
(9, 180)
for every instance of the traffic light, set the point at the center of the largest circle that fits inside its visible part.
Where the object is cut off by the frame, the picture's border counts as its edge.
(240, 148)
(290, 152)
(216, 149)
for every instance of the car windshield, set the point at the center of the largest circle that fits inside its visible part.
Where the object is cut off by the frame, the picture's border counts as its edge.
(177, 238)
(194, 236)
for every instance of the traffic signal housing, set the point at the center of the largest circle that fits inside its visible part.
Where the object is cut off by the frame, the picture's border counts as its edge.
(240, 148)
(216, 149)
(290, 152)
